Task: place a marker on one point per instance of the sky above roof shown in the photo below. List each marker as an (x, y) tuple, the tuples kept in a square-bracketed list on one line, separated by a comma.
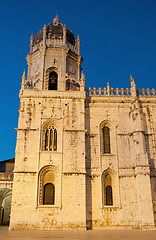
[(117, 38)]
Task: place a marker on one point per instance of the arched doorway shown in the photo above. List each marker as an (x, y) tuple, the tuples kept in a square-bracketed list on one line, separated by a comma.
[(5, 206)]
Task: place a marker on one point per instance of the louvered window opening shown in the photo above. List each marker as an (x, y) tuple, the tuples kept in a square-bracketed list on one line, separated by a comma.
[(106, 139), (51, 139)]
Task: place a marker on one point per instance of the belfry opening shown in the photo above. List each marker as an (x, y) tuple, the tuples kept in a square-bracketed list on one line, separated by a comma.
[(53, 79)]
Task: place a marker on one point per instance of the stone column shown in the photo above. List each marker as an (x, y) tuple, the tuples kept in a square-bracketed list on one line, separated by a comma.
[(142, 168), (42, 66)]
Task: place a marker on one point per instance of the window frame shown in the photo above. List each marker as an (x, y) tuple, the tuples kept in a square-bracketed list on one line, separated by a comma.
[(108, 178), (107, 124), (46, 172), (45, 194), (50, 139), (106, 140)]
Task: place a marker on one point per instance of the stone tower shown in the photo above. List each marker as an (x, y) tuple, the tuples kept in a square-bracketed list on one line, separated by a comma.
[(49, 175)]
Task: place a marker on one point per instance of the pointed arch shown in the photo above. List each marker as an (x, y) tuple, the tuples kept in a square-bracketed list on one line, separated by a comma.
[(47, 185), (108, 190), (107, 187), (49, 136)]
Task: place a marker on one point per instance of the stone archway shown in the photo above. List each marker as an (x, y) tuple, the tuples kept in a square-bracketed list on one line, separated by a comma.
[(5, 206)]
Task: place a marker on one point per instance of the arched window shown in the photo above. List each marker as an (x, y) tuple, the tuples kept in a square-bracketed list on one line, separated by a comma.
[(48, 185), (108, 192), (53, 77), (109, 197), (51, 139), (49, 194), (106, 140)]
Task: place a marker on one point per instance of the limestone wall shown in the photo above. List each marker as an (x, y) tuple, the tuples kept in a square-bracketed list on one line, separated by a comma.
[(127, 209), (66, 114)]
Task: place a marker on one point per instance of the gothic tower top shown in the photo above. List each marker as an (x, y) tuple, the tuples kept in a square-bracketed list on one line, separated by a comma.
[(54, 61), (55, 34)]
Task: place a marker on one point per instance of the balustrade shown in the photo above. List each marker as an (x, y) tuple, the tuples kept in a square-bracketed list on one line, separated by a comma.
[(119, 92)]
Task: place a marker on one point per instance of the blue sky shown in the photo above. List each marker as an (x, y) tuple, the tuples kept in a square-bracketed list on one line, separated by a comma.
[(118, 37)]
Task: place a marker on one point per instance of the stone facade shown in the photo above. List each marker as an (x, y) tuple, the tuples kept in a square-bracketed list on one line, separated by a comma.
[(85, 158), (6, 173)]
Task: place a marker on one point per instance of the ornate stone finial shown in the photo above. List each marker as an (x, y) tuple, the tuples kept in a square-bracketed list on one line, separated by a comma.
[(78, 37), (23, 77), (44, 34), (108, 88), (56, 20), (83, 76), (64, 33), (133, 86), (44, 28), (23, 80), (31, 42), (131, 79), (83, 80), (31, 38), (64, 27), (78, 44)]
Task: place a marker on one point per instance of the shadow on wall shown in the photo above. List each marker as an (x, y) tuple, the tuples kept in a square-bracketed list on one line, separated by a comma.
[(88, 170), (5, 206)]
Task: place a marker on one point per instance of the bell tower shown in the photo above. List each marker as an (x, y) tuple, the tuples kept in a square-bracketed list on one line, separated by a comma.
[(50, 172), (54, 61)]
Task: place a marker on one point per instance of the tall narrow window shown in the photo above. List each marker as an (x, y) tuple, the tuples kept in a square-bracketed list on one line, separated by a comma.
[(109, 197), (108, 190), (53, 77), (51, 139), (49, 194), (106, 140), (55, 140), (46, 139)]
